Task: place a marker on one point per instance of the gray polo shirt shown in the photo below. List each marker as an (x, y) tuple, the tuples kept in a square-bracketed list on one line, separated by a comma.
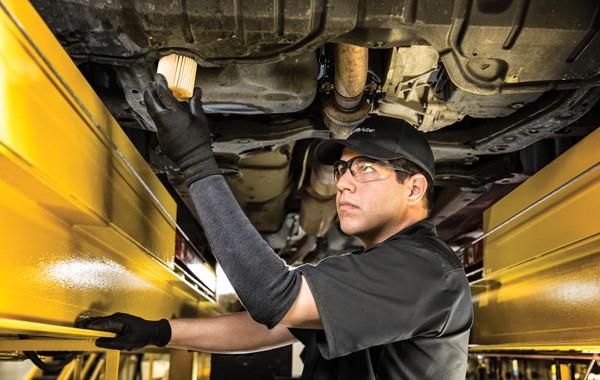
[(400, 309)]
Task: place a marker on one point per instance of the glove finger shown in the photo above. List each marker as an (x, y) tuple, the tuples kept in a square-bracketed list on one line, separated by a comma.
[(115, 344), (82, 322), (165, 94), (105, 343), (106, 324), (196, 102), (153, 104)]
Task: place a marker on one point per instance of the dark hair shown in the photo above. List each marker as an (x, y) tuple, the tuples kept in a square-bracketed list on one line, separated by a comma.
[(413, 169)]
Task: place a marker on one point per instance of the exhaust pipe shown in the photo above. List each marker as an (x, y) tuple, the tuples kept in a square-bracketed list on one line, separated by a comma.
[(348, 108), (317, 210)]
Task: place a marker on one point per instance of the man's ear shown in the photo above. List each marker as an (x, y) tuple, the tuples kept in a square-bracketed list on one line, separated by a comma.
[(418, 187)]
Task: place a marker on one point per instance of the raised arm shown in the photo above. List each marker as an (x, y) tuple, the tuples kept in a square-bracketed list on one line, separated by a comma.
[(267, 287)]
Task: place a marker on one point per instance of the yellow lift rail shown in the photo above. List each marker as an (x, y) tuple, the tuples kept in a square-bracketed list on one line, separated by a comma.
[(57, 338), (86, 228), (540, 288)]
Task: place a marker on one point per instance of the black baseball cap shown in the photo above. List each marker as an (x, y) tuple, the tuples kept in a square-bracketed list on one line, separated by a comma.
[(382, 138)]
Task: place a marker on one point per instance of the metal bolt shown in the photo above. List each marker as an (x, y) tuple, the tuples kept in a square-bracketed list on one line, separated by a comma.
[(327, 87), (565, 115), (469, 160)]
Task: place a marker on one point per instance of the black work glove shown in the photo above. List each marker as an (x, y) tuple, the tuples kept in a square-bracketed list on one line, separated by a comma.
[(183, 131), (132, 332)]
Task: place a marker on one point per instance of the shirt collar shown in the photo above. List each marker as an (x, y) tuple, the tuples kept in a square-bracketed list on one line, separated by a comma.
[(423, 227)]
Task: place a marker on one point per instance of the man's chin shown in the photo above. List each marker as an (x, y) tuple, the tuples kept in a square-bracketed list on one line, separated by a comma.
[(349, 229)]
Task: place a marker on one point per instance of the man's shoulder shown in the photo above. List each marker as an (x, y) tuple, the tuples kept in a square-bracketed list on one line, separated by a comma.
[(428, 245)]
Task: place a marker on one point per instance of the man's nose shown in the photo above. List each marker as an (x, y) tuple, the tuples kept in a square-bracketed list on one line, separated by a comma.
[(346, 181)]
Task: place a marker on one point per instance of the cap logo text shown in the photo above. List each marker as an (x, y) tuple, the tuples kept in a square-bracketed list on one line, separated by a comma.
[(362, 129)]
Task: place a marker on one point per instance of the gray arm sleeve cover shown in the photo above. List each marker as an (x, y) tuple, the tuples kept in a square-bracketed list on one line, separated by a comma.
[(264, 283)]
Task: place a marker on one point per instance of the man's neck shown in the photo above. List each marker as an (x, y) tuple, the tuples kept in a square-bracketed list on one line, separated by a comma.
[(384, 235)]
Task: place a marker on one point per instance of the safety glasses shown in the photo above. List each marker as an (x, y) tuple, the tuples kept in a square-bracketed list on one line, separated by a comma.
[(365, 169)]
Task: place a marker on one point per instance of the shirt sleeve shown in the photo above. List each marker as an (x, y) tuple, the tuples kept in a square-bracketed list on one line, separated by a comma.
[(381, 296), (264, 283)]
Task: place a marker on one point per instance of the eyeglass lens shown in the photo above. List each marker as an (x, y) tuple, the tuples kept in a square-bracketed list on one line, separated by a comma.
[(363, 169)]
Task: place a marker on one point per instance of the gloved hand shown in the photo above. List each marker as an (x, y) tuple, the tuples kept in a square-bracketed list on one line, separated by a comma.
[(183, 130), (132, 332)]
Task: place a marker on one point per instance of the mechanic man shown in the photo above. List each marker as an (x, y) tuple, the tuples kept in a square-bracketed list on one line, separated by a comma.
[(399, 309)]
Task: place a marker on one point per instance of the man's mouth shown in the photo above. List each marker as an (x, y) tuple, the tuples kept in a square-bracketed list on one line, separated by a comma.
[(346, 206)]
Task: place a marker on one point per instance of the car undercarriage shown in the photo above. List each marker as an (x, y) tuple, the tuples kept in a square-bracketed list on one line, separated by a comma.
[(500, 88)]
